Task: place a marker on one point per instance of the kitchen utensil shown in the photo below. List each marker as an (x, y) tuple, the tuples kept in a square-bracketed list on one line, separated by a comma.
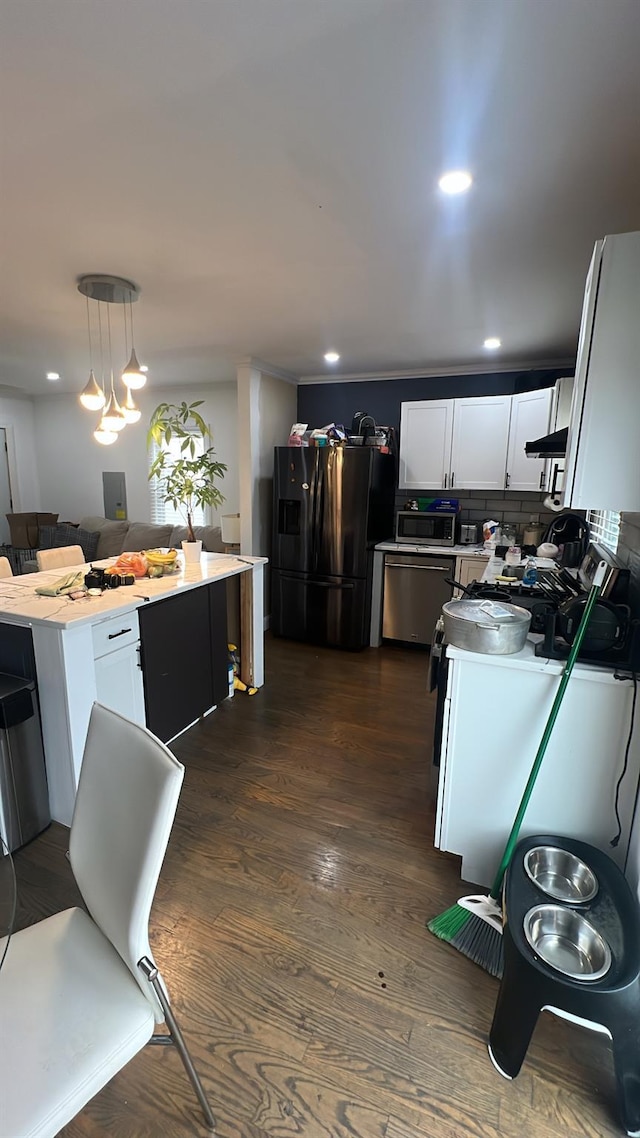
[(493, 627), (566, 941), (474, 924), (570, 533), (480, 591), (607, 627), (548, 549), (560, 874)]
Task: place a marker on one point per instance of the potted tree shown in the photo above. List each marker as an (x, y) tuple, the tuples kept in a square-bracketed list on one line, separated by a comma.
[(185, 466)]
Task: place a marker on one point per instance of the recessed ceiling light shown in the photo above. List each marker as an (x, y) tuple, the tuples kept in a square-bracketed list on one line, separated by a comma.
[(455, 182), (53, 375), (331, 357), (492, 343)]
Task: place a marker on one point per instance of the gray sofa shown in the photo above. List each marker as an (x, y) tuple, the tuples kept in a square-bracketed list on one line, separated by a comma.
[(130, 537)]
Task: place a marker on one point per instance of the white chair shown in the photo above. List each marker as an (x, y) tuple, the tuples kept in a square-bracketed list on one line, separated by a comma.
[(79, 994), (58, 558), (5, 567)]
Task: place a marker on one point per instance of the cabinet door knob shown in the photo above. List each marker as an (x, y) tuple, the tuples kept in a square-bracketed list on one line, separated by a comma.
[(452, 478), (445, 482), (507, 479), (542, 479)]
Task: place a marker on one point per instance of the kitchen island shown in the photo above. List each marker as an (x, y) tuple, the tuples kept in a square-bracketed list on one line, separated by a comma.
[(156, 651)]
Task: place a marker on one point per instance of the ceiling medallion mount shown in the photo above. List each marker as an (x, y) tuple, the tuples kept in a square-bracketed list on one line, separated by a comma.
[(108, 289), (105, 290)]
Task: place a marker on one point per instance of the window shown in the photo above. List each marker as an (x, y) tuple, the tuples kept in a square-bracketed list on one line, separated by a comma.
[(163, 512), (605, 527)]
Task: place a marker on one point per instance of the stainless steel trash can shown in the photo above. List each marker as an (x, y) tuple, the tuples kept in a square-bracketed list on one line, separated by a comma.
[(24, 795)]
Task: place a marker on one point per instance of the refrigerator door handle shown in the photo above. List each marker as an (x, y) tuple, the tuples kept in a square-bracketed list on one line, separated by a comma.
[(321, 584), (316, 513), (421, 568), (333, 584)]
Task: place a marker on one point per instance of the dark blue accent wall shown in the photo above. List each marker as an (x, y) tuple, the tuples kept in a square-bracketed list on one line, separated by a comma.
[(322, 403)]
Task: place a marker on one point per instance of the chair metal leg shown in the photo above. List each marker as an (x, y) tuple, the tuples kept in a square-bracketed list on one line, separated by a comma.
[(151, 973)]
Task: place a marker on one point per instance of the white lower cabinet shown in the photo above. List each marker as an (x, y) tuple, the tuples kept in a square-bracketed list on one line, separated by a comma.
[(494, 715), (119, 683), (118, 673), (469, 569)]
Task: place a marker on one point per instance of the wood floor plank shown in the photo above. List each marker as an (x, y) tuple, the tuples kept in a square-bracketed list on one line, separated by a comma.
[(301, 866)]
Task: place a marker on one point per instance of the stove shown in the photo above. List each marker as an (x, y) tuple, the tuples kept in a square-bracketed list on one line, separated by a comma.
[(549, 601)]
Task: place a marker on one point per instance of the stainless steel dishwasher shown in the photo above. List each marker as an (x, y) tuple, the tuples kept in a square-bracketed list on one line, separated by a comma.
[(415, 590)]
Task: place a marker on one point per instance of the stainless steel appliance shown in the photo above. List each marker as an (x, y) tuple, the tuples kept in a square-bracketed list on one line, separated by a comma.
[(331, 506), (424, 527), (493, 627), (415, 589), (24, 797), (469, 533)]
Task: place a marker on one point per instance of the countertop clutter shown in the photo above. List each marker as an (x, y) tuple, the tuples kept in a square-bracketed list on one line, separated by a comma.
[(20, 604)]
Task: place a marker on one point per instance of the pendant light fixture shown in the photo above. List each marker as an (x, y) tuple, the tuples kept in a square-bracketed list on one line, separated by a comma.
[(112, 416), (101, 434), (111, 290), (130, 411), (92, 396), (133, 375)]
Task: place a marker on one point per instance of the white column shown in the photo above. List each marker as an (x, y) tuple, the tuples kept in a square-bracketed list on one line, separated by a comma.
[(248, 380)]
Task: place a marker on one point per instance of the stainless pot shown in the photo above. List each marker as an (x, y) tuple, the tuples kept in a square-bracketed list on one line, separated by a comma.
[(491, 627)]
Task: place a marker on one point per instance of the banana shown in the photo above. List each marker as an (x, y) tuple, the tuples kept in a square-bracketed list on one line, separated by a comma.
[(157, 557)]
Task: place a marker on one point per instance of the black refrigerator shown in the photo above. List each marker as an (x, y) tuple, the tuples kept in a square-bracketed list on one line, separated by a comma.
[(331, 506)]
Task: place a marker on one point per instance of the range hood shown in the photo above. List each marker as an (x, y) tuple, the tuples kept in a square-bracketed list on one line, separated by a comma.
[(549, 446)]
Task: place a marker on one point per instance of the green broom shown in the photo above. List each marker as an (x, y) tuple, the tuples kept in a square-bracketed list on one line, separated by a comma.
[(474, 924)]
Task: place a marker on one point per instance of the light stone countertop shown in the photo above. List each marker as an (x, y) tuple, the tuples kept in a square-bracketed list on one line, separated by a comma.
[(20, 604), (438, 550)]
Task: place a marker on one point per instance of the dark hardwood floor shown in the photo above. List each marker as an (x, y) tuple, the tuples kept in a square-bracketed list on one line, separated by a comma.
[(289, 924)]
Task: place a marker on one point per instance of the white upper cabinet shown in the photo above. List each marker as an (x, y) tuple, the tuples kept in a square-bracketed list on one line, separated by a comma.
[(602, 463), (529, 420), (479, 448), (425, 444)]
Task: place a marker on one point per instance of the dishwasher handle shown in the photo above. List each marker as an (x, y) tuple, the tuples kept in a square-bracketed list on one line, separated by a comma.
[(429, 568)]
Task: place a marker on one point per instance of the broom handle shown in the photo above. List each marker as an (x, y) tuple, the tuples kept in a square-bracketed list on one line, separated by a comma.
[(553, 715)]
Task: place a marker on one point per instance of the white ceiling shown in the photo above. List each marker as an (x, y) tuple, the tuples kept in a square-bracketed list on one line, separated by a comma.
[(266, 171)]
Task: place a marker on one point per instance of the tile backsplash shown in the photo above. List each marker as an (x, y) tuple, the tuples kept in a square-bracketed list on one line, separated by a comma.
[(514, 507)]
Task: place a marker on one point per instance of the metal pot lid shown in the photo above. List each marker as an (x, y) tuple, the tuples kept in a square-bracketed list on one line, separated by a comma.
[(486, 612)]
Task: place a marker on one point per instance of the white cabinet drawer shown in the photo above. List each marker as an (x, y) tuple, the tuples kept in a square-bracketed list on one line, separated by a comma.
[(116, 632)]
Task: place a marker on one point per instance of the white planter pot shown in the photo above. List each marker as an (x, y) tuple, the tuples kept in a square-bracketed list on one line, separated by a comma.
[(192, 551)]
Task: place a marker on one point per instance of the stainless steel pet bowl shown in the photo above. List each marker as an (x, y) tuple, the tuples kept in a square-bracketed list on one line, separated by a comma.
[(560, 874), (567, 942)]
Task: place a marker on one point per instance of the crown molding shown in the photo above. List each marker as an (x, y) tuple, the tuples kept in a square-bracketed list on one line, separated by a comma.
[(268, 369), (437, 372)]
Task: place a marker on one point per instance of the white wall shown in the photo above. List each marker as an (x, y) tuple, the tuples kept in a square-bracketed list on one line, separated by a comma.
[(17, 417), (277, 406), (71, 462), (267, 408)]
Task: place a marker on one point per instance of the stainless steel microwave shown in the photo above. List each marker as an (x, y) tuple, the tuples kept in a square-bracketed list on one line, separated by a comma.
[(418, 527)]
